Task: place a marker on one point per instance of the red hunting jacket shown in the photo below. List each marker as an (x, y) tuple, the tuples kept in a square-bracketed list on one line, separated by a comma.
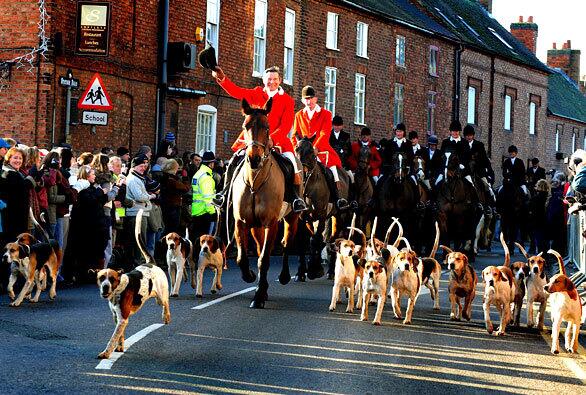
[(375, 159), (280, 117), (320, 126)]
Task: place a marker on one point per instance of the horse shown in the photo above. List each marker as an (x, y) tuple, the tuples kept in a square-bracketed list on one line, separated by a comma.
[(457, 204), (425, 212), (316, 194), (257, 193), (512, 205), (485, 228), (362, 188), (398, 197)]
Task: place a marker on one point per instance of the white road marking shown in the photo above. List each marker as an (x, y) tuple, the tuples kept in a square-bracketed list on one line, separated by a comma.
[(213, 302), (576, 369), (106, 364)]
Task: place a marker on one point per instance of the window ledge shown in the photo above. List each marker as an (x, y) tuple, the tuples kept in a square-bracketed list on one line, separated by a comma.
[(359, 124), (434, 75), (333, 49), (363, 57)]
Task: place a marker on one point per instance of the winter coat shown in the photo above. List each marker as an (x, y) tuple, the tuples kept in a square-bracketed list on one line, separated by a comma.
[(15, 189), (172, 190)]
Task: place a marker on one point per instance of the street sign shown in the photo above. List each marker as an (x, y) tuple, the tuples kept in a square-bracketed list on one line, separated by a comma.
[(95, 96), (94, 118), (72, 83)]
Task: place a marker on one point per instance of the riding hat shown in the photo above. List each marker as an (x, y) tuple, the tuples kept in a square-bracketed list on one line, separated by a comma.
[(208, 157), (365, 131), (513, 148), (307, 92), (469, 130), (207, 58), (337, 121), (432, 140), (456, 126), (534, 161), (401, 126), (413, 135)]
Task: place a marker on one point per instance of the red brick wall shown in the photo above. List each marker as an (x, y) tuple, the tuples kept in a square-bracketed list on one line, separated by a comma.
[(526, 33), (567, 59), (567, 129)]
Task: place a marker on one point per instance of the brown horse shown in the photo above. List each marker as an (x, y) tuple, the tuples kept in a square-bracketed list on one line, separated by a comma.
[(257, 194)]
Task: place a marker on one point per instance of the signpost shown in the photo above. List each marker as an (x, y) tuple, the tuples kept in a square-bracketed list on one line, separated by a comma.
[(93, 28), (95, 97), (70, 83)]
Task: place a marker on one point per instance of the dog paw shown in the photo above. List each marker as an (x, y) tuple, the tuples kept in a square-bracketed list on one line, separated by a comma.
[(530, 324), (199, 296), (363, 318), (350, 311), (14, 304), (405, 322), (333, 308), (120, 349), (436, 308), (453, 317), (554, 351), (12, 296), (489, 328), (104, 355), (377, 323), (213, 291), (174, 295), (569, 350), (219, 287), (167, 320)]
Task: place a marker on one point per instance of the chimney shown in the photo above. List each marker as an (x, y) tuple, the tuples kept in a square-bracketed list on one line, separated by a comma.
[(526, 32), (486, 4), (566, 59)]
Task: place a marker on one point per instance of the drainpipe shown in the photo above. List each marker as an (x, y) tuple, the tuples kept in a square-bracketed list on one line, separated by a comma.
[(457, 82), (491, 107), (162, 88)]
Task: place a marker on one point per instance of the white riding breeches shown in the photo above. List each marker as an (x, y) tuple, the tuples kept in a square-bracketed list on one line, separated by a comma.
[(293, 160)]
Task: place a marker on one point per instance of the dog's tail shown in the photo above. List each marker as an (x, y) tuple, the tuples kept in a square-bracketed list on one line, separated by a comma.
[(446, 249), (390, 229), (352, 225), (522, 249), (407, 244), (38, 226), (435, 242), (364, 242), (560, 260), (150, 260), (506, 249)]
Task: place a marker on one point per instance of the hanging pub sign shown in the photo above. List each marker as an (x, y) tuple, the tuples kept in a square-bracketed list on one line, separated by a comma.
[(93, 28)]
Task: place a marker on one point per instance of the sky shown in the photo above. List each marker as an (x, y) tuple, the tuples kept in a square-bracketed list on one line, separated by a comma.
[(558, 21)]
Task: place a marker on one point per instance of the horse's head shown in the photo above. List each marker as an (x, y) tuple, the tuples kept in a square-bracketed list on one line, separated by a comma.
[(364, 158), (256, 127), (305, 152), (400, 165), (418, 166)]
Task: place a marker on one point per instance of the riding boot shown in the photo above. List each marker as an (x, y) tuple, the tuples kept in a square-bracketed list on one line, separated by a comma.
[(235, 162), (292, 186), (340, 203)]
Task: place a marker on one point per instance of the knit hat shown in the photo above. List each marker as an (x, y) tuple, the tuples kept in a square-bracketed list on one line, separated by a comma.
[(432, 140), (208, 156), (121, 151), (456, 126), (337, 121), (170, 137), (152, 185), (307, 92), (139, 160), (413, 135), (469, 130), (4, 144)]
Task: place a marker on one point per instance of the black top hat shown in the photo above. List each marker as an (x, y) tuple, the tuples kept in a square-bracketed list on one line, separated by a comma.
[(469, 130), (208, 157), (307, 92), (207, 58), (456, 125), (413, 135)]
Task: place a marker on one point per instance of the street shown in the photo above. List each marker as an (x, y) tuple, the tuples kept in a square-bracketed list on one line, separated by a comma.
[(294, 345)]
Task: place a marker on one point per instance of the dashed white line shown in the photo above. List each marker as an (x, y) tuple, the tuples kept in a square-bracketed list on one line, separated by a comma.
[(215, 301), (106, 364)]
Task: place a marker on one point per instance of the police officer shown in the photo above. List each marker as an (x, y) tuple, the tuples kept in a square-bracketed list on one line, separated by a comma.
[(203, 212), (340, 140)]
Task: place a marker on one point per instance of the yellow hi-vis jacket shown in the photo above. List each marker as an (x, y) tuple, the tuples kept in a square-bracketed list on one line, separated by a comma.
[(204, 189)]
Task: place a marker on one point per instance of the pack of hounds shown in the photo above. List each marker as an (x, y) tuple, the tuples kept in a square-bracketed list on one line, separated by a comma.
[(368, 271)]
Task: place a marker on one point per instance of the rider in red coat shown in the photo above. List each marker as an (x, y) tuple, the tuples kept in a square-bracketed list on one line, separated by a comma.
[(375, 158), (280, 124), (316, 122)]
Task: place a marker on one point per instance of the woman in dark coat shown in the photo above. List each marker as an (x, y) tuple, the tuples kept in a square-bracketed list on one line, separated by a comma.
[(15, 189), (538, 218), (88, 229), (172, 190)]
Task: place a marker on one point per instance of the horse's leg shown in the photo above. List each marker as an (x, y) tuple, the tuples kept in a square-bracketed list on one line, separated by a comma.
[(241, 236), (315, 268), (288, 238), (302, 241), (261, 294)]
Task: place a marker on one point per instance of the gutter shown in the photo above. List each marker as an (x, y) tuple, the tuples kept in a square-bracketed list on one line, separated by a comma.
[(491, 107), (162, 88)]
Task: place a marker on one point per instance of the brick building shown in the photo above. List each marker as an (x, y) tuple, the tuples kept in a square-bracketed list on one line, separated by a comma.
[(421, 62)]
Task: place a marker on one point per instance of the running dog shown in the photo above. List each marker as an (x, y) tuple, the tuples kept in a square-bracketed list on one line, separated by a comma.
[(127, 293), (35, 262), (463, 280), (212, 255), (347, 273), (374, 283), (535, 281), (179, 255), (565, 306), (499, 290)]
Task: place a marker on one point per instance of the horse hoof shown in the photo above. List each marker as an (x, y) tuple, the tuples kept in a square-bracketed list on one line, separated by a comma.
[(257, 304), (300, 278), (284, 279), (249, 277), (312, 275)]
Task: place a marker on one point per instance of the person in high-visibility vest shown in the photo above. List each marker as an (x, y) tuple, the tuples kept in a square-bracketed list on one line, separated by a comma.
[(203, 212)]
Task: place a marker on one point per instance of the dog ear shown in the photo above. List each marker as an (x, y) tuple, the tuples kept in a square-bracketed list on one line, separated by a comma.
[(542, 275), (569, 285), (215, 245), (385, 253), (162, 239), (120, 271), (23, 251), (337, 244), (362, 262), (465, 259)]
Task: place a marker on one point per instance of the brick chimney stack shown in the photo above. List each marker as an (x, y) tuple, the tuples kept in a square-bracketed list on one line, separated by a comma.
[(566, 58), (526, 32), (487, 4)]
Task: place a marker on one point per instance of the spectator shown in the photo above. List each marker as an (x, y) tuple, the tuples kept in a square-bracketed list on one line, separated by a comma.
[(340, 140), (146, 151), (4, 147), (534, 174), (538, 217), (107, 151), (85, 159), (51, 163), (172, 190), (203, 213), (103, 174), (66, 162), (124, 154), (556, 224), (156, 169)]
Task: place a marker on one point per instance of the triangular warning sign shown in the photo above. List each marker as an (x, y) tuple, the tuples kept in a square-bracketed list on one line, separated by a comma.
[(95, 96)]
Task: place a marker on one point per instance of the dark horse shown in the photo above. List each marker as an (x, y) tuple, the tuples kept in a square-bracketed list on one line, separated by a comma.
[(512, 205), (316, 194), (362, 187), (479, 164), (458, 207), (398, 197), (257, 194)]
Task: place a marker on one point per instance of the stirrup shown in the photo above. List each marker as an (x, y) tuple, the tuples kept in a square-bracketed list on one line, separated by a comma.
[(354, 205), (298, 205), (342, 204), (218, 200)]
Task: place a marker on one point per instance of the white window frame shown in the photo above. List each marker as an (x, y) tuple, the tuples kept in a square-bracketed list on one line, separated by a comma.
[(359, 98), (584, 140), (362, 39), (260, 37), (213, 24), (558, 137), (399, 104), (574, 137), (532, 116), (433, 61), (508, 112), (206, 141), (330, 92), (289, 51), (471, 114), (332, 31), (400, 51), (431, 105)]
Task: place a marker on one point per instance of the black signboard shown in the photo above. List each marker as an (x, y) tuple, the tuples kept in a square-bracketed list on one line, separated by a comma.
[(93, 28)]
